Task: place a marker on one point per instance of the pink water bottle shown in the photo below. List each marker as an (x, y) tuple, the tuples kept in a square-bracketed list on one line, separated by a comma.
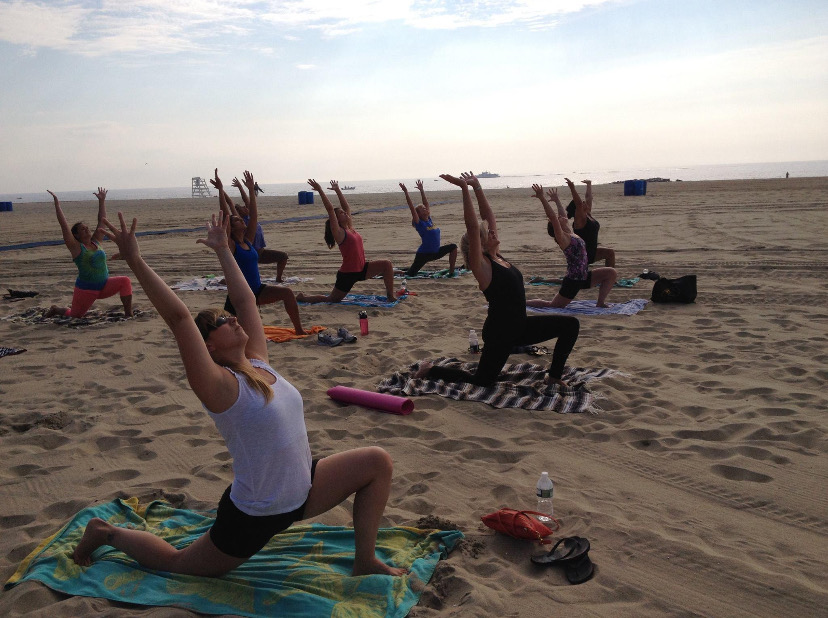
[(363, 322)]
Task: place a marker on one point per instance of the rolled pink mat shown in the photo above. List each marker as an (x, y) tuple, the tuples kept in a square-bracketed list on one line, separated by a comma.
[(379, 401)]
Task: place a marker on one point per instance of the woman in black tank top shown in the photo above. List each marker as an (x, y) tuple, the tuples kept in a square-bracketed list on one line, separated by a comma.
[(507, 324), (585, 226)]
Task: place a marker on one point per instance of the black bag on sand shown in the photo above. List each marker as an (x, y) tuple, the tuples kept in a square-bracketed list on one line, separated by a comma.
[(681, 290)]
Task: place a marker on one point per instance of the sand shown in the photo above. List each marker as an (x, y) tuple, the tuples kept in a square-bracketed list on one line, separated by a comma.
[(700, 482)]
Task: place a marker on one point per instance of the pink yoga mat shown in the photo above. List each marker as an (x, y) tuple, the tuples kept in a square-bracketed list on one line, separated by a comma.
[(379, 401)]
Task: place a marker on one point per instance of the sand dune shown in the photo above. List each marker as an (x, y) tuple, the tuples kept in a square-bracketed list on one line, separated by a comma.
[(700, 482)]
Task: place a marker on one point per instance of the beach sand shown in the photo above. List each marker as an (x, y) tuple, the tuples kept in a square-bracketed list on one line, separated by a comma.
[(700, 481)]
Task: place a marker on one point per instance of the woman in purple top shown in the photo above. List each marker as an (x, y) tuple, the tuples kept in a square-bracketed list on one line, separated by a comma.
[(578, 276)]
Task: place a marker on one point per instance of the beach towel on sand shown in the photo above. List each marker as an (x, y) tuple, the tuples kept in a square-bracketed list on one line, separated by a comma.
[(303, 571), (364, 300), (519, 386), (280, 334), (212, 282), (35, 315), (431, 274), (11, 351), (620, 283), (588, 307)]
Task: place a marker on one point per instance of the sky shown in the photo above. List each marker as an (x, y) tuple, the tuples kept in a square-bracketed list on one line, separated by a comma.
[(149, 93)]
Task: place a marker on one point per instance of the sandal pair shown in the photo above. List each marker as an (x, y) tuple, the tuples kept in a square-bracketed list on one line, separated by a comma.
[(572, 553)]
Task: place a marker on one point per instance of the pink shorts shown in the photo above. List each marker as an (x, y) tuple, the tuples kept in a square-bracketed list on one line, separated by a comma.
[(82, 299)]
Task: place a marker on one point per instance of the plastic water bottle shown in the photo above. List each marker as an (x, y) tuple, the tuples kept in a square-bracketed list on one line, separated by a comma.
[(363, 322), (474, 344), (544, 492), (403, 290)]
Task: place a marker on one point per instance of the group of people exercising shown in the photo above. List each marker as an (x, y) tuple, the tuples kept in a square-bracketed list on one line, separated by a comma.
[(276, 481)]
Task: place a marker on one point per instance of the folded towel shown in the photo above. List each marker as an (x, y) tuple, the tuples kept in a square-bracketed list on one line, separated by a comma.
[(365, 300), (303, 571), (620, 283), (280, 334), (588, 307)]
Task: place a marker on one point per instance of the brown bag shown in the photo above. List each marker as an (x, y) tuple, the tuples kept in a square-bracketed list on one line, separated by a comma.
[(519, 524)]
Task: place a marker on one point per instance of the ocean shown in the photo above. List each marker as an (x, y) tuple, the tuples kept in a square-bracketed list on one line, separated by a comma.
[(736, 171)]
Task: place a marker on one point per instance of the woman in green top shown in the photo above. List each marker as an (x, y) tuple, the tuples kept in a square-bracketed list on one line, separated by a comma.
[(93, 280)]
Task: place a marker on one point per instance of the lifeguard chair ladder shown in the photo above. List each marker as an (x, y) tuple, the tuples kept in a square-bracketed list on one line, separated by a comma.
[(200, 187)]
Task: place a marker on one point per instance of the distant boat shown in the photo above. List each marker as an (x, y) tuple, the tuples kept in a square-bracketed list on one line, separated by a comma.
[(347, 188), (487, 175)]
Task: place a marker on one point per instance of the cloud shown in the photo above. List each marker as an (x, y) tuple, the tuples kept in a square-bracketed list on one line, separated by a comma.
[(95, 27)]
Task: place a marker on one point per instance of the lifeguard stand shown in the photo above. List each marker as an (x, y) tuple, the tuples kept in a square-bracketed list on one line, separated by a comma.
[(200, 187)]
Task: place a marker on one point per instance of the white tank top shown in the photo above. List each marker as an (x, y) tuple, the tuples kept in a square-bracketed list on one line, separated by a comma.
[(269, 445)]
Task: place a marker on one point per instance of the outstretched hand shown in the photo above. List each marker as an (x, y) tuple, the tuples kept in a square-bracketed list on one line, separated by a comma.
[(402, 186), (314, 185), (54, 197), (471, 179), (587, 182), (419, 184), (236, 183), (101, 194), (249, 182), (553, 195), (123, 238), (568, 182), (216, 182), (335, 185), (460, 182), (216, 232), (538, 189)]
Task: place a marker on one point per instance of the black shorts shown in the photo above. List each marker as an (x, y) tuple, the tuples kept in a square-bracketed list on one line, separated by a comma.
[(345, 281), (240, 535), (421, 259), (569, 287), (228, 306)]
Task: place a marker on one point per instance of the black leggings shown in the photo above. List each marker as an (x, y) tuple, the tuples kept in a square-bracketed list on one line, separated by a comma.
[(538, 328), (421, 259)]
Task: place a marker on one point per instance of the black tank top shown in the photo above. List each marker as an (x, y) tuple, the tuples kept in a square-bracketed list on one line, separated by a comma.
[(507, 300), (589, 233)]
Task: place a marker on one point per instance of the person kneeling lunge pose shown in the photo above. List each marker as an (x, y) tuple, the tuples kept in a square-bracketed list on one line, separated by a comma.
[(260, 415), (507, 324), (430, 248)]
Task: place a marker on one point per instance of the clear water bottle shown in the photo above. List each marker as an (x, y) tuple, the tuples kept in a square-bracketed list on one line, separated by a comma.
[(474, 344), (544, 492), (363, 322), (403, 290)]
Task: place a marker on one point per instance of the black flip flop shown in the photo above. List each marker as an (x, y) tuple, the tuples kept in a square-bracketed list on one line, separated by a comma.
[(567, 550), (579, 571)]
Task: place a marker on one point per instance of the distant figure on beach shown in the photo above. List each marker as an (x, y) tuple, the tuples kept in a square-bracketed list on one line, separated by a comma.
[(578, 276), (787, 174), (584, 225), (261, 417), (93, 280), (339, 230), (266, 256), (430, 248), (240, 238), (507, 324), (258, 189)]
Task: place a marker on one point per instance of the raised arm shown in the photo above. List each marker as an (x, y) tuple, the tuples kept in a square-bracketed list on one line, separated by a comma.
[(338, 232), (250, 232), (415, 218), (419, 184), (580, 209), (98, 234), (240, 187), (213, 385), (553, 196), (588, 197), (486, 212), (226, 206), (341, 196), (480, 267), (71, 242), (562, 237)]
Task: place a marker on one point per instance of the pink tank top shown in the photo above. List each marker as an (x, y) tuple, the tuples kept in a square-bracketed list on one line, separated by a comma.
[(353, 253)]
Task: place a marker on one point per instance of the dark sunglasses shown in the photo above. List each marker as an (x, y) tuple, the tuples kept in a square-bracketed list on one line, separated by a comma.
[(209, 328)]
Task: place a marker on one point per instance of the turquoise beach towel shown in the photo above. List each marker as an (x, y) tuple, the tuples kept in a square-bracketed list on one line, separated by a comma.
[(432, 274), (620, 283), (364, 300), (303, 571), (587, 307)]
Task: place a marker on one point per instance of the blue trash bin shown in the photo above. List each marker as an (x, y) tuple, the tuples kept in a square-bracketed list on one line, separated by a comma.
[(6, 207), (309, 197), (302, 199), (629, 187)]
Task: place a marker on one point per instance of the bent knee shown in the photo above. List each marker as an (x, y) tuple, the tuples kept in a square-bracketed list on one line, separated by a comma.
[(380, 459)]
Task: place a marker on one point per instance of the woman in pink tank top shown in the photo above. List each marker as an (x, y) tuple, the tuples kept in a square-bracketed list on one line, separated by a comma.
[(339, 230)]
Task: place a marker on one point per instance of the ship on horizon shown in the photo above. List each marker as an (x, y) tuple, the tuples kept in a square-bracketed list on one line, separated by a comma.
[(487, 175)]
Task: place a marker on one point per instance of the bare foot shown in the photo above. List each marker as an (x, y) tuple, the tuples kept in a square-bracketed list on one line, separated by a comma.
[(97, 533), (301, 331), (375, 567), (53, 311), (556, 381), (423, 370), (604, 305)]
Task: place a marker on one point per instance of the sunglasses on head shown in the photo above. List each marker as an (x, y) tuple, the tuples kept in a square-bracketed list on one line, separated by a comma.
[(209, 328)]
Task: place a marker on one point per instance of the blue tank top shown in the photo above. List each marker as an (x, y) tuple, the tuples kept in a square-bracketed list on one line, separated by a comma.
[(248, 261)]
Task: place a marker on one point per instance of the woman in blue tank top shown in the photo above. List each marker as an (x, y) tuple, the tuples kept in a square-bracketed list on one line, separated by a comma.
[(240, 239), (261, 418), (507, 324)]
